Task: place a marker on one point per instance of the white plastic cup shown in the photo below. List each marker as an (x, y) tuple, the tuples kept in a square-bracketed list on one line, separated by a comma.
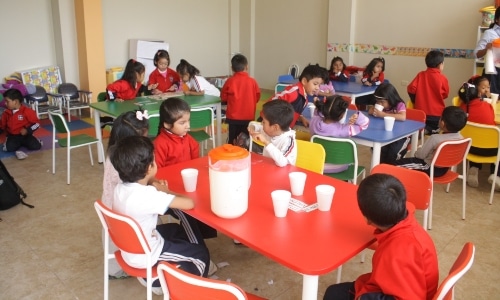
[(189, 178), (494, 97), (379, 107), (281, 200), (324, 196), (312, 107), (487, 100), (297, 182), (389, 123)]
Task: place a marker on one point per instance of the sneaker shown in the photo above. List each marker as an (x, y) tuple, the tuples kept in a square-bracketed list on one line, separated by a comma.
[(497, 181), (21, 155), (118, 275), (212, 268), (41, 142), (156, 290), (236, 242), (472, 177)]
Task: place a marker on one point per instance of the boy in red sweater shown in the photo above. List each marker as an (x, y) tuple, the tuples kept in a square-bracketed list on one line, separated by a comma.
[(404, 265), (241, 93), (429, 89), (19, 121)]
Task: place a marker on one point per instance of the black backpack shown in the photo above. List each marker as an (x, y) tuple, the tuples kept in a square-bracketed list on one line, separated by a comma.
[(11, 194)]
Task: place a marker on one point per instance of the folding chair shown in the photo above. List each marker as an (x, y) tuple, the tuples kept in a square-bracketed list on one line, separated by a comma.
[(462, 264), (310, 156), (74, 99), (59, 126), (41, 102), (484, 136), (202, 118), (178, 285)]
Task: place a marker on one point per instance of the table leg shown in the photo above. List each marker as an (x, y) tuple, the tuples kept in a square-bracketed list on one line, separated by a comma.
[(310, 287), (414, 143), (98, 135), (219, 124), (376, 154)]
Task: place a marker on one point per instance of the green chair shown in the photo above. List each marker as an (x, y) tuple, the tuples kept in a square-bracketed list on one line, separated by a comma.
[(202, 126), (154, 122), (341, 151), (59, 126)]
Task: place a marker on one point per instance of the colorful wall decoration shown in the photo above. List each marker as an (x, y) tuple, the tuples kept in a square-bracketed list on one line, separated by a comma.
[(47, 77)]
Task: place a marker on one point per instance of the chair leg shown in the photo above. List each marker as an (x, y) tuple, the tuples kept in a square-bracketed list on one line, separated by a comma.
[(53, 155), (90, 154), (426, 218), (492, 193), (69, 162), (430, 209), (363, 256), (339, 274)]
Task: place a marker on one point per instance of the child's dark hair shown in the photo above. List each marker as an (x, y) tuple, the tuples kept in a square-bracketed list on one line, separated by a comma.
[(313, 71), (186, 68), (132, 157), (434, 58), (476, 80), (388, 92), (278, 112), (132, 68), (334, 60), (159, 55), (13, 94), (468, 92), (382, 199), (172, 110), (454, 118), (239, 62), (332, 107), (369, 68), (127, 124)]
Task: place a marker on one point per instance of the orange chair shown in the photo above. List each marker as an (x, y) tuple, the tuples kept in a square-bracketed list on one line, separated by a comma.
[(462, 264), (127, 236), (178, 285), (449, 154), (416, 115)]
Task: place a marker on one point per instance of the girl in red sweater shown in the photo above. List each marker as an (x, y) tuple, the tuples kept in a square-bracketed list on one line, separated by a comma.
[(163, 79), (130, 85)]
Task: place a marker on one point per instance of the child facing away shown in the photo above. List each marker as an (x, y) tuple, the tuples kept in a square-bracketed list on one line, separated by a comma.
[(196, 84), (337, 70), (275, 133), (241, 93), (163, 79), (296, 94), (429, 89), (405, 264), (19, 122), (388, 97), (326, 121), (130, 85), (451, 122), (143, 198), (374, 72), (478, 111)]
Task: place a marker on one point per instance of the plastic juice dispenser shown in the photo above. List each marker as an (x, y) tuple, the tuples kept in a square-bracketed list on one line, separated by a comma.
[(229, 175)]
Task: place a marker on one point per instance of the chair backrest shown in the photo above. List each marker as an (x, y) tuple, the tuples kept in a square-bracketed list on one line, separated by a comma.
[(280, 87), (201, 117), (415, 114), (462, 264), (68, 89), (483, 136), (58, 122), (456, 101), (409, 104), (294, 70), (154, 123), (417, 184), (39, 95), (178, 285), (123, 230), (310, 156), (451, 153), (101, 97), (339, 151), (286, 78)]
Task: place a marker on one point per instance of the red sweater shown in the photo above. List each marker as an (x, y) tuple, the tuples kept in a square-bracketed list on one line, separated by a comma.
[(164, 83), (404, 264), (172, 149), (25, 117), (375, 81), (296, 95), (430, 88), (241, 93), (480, 112), (121, 89)]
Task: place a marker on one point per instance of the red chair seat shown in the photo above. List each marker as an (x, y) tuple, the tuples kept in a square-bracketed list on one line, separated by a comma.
[(131, 270)]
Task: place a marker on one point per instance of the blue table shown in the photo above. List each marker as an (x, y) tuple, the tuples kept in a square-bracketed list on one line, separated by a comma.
[(375, 135), (353, 89)]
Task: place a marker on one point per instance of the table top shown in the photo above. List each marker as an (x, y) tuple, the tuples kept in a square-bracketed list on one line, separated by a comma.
[(115, 109), (312, 243), (353, 87)]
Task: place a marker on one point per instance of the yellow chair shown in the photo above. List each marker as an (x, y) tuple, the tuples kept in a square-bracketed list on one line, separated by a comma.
[(310, 156), (483, 136), (409, 104), (302, 135), (455, 101)]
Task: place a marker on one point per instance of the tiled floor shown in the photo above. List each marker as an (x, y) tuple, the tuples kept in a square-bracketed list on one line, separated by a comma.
[(54, 251)]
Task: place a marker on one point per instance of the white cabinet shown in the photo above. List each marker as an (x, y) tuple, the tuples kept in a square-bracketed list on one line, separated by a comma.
[(479, 62)]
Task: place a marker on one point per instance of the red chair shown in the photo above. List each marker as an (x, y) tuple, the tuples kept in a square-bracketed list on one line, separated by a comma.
[(179, 285), (449, 154), (462, 264), (127, 236), (416, 115)]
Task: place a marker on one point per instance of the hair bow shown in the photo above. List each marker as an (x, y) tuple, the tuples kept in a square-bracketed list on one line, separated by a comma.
[(142, 115)]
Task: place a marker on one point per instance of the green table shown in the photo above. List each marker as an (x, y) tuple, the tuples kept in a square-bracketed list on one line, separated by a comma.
[(115, 109)]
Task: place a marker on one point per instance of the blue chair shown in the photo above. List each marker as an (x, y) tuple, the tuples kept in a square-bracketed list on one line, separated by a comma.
[(286, 78)]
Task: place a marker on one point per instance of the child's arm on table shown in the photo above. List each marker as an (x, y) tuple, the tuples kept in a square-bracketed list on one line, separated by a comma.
[(179, 201)]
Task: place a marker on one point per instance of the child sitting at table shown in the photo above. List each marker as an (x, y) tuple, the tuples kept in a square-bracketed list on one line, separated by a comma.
[(275, 133), (392, 105), (337, 70), (130, 85), (429, 89), (374, 72), (326, 121), (404, 247), (142, 197), (163, 79), (451, 122), (196, 84), (478, 111)]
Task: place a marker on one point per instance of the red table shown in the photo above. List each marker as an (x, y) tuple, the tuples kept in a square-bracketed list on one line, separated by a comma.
[(312, 244)]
